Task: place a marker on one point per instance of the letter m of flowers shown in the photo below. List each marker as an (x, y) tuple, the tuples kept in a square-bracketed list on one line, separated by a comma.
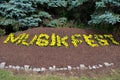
[(12, 39)]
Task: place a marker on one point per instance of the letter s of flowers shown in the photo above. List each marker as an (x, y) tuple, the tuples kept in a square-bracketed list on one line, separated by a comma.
[(101, 40)]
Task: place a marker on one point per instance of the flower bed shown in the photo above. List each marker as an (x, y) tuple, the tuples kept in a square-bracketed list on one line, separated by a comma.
[(43, 40)]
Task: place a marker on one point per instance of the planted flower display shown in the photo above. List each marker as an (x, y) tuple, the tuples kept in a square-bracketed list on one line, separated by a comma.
[(43, 40), (61, 36)]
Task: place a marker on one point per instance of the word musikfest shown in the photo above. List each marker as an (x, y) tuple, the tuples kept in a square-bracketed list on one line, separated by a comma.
[(43, 40)]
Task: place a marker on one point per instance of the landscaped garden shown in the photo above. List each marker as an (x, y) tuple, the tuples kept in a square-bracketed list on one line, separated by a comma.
[(76, 38)]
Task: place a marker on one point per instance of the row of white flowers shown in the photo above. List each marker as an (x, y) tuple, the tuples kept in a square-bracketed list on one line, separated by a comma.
[(54, 68)]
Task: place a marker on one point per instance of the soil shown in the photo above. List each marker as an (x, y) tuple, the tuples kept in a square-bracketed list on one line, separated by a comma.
[(59, 56)]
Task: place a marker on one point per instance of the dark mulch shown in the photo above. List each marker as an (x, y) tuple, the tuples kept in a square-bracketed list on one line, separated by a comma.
[(59, 56)]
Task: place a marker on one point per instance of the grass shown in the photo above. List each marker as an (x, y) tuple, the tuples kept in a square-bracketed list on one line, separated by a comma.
[(6, 75)]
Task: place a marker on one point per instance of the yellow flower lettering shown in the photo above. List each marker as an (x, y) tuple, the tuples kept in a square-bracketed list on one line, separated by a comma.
[(61, 41), (12, 39), (75, 41), (89, 41), (33, 40), (42, 40), (53, 40), (101, 40), (110, 37), (25, 39), (20, 39)]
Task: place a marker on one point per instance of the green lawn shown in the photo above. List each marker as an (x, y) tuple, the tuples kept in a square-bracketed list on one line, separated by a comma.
[(6, 75)]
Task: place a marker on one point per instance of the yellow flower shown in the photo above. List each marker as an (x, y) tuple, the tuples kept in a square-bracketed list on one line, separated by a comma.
[(33, 40), (58, 41), (64, 42), (75, 41), (53, 40), (24, 40), (89, 41), (110, 37), (20, 38), (61, 41), (42, 40), (101, 40), (12, 39)]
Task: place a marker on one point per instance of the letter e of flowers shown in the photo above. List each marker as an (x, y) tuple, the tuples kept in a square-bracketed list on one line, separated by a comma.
[(89, 41)]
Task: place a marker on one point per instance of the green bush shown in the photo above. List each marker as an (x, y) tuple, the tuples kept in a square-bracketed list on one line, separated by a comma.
[(8, 25), (57, 22), (106, 12), (22, 14), (2, 32)]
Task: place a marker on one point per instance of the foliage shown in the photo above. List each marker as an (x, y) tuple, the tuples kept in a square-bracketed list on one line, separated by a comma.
[(106, 12), (75, 3), (16, 9), (53, 3), (107, 17), (2, 1), (29, 13), (29, 22), (2, 32), (57, 22), (34, 13), (8, 25), (43, 14), (116, 33), (70, 4)]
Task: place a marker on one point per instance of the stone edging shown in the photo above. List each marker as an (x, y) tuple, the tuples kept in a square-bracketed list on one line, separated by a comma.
[(54, 68)]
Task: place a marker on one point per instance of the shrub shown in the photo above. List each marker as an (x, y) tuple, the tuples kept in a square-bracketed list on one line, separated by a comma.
[(9, 25), (57, 22), (29, 22), (106, 12), (54, 13), (2, 32)]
